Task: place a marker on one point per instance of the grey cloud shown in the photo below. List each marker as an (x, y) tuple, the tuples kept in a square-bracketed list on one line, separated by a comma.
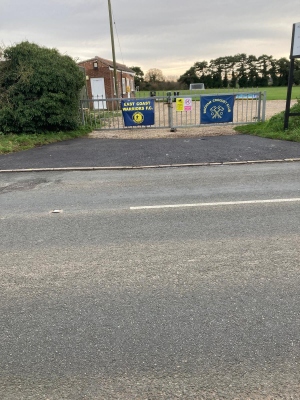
[(167, 34)]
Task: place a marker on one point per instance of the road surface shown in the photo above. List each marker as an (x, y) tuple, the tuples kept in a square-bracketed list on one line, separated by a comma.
[(151, 284)]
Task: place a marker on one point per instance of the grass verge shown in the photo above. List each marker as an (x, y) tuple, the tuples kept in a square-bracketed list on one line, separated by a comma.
[(12, 143), (273, 128)]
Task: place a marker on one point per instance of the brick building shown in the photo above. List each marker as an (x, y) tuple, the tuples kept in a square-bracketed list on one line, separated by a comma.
[(100, 79)]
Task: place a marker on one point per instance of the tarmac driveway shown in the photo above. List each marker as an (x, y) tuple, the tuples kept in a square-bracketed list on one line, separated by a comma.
[(94, 153)]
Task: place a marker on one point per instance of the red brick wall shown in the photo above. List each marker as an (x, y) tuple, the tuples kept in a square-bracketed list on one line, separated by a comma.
[(103, 71)]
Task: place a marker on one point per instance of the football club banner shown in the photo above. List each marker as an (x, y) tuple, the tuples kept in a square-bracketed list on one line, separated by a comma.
[(138, 112), (216, 109)]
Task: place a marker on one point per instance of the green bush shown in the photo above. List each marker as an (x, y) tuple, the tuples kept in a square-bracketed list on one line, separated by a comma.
[(274, 127), (39, 90), (275, 123)]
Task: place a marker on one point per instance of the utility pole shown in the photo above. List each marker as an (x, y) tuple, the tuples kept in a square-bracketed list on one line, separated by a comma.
[(113, 48)]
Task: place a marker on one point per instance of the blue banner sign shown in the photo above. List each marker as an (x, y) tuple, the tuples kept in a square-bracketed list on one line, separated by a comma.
[(216, 109), (247, 96), (138, 112)]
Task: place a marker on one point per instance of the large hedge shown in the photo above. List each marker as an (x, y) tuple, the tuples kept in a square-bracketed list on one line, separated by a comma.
[(39, 90)]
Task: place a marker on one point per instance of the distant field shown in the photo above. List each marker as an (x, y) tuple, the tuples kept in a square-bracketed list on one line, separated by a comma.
[(273, 93)]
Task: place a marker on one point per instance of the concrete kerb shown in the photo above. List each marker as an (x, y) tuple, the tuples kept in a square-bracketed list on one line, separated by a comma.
[(204, 164)]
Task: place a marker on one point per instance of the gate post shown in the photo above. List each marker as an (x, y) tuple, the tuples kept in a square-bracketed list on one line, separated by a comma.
[(170, 110), (259, 107), (261, 114), (82, 112), (264, 107)]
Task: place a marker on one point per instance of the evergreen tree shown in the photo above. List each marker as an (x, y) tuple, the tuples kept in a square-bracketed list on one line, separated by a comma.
[(139, 76), (39, 90)]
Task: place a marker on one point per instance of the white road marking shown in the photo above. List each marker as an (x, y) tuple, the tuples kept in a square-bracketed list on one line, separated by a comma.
[(221, 203)]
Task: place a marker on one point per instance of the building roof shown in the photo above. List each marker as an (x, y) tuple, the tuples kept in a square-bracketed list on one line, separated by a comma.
[(109, 63)]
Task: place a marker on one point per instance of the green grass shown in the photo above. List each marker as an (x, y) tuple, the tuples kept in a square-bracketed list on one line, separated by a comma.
[(99, 118), (273, 93), (273, 128), (103, 113), (12, 143)]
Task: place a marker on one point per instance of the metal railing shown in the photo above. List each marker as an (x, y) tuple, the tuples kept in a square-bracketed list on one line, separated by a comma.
[(106, 114)]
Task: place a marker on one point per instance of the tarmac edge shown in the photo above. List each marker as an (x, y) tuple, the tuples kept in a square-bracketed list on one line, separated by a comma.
[(204, 164)]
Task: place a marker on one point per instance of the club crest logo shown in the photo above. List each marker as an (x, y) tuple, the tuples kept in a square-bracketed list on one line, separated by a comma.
[(217, 112), (138, 117)]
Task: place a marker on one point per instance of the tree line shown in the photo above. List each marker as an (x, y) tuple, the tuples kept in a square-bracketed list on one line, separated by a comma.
[(240, 70)]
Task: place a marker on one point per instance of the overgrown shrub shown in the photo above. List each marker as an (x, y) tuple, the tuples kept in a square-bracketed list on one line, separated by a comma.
[(39, 90)]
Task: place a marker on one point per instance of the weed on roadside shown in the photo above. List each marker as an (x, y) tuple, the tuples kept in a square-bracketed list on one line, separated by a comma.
[(12, 143)]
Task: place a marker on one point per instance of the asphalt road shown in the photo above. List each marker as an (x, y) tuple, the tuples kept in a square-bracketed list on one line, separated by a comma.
[(108, 299), (87, 152)]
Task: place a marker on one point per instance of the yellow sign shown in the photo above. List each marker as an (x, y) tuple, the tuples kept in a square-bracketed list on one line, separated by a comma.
[(179, 104)]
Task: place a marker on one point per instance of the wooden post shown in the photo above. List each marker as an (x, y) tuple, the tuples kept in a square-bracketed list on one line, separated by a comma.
[(113, 48)]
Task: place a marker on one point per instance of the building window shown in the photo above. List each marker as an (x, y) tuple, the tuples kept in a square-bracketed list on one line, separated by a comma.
[(132, 85)]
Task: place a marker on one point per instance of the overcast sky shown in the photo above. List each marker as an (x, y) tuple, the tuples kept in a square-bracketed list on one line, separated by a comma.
[(167, 34)]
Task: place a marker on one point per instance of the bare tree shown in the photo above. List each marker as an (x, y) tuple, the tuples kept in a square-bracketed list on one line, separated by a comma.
[(154, 75)]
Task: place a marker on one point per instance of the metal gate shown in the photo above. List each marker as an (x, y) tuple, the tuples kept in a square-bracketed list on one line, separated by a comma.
[(106, 114)]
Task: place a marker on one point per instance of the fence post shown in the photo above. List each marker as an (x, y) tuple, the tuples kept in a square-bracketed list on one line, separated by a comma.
[(82, 113), (170, 109), (259, 107), (264, 107)]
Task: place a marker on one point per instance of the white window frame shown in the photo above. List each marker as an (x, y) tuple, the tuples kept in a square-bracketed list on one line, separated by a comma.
[(132, 85)]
